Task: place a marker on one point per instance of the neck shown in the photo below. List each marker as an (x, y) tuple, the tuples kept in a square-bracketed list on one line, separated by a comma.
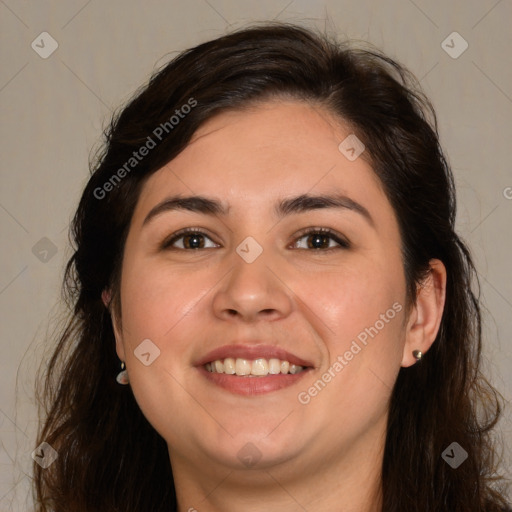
[(348, 481)]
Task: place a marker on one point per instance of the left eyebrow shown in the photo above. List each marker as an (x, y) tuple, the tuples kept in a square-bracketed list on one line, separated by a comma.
[(285, 207)]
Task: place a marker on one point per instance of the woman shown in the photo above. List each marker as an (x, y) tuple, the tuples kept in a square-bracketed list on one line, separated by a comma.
[(266, 258)]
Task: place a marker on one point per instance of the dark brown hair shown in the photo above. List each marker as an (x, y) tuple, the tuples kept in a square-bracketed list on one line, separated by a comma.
[(110, 457)]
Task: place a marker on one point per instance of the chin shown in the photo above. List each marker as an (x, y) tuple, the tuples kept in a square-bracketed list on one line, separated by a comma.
[(255, 447)]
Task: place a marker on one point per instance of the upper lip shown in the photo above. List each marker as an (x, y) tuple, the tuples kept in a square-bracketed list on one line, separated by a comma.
[(252, 352)]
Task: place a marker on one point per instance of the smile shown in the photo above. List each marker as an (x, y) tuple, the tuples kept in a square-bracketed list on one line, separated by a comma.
[(252, 368), (260, 367)]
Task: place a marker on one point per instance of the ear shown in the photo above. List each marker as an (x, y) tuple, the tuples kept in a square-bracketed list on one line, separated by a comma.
[(425, 317), (106, 297)]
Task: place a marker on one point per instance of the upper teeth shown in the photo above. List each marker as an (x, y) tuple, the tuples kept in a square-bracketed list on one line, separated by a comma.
[(259, 367)]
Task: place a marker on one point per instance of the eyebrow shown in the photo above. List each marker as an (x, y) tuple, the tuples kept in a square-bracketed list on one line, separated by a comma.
[(287, 206)]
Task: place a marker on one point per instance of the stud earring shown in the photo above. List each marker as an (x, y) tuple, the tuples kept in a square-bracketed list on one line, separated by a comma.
[(122, 376), (417, 354)]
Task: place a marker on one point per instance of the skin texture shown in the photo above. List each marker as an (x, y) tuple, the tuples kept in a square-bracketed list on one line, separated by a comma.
[(323, 455)]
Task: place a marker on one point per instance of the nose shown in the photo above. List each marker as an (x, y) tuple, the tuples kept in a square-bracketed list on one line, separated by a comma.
[(253, 291)]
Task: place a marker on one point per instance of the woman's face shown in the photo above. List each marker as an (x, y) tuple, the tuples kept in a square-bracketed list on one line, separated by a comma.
[(251, 286)]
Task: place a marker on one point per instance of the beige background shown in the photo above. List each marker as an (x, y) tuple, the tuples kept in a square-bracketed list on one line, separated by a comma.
[(53, 111)]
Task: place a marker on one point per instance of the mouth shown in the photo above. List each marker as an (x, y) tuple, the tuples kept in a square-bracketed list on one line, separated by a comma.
[(252, 370)]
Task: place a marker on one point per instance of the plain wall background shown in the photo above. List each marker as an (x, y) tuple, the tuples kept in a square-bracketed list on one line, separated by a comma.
[(53, 111)]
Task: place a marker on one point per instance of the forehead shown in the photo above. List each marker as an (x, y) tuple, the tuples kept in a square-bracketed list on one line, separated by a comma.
[(251, 157)]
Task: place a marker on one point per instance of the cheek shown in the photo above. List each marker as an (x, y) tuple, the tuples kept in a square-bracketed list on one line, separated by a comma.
[(158, 304), (359, 314), (364, 342), (161, 305), (156, 298), (351, 299)]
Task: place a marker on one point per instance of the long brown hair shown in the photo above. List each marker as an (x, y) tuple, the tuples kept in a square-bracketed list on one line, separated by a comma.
[(110, 457)]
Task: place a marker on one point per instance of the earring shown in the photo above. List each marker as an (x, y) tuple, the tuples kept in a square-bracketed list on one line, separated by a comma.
[(122, 376), (417, 354)]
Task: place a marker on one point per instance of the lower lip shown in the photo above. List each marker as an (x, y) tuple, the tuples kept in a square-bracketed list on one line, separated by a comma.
[(249, 386)]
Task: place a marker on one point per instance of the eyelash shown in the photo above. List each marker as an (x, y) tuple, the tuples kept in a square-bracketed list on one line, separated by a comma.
[(343, 243)]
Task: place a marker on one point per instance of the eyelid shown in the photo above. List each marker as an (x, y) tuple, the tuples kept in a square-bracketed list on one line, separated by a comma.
[(166, 244), (337, 237)]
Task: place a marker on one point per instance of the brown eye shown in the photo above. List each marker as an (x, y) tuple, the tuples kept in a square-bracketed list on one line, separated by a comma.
[(320, 238), (191, 239)]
